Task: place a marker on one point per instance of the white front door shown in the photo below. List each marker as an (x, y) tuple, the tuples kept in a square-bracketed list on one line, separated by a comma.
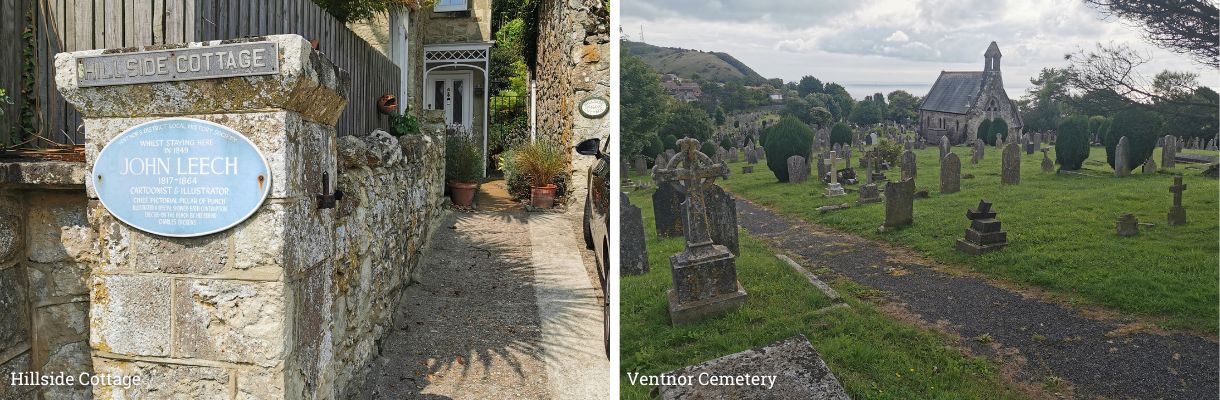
[(451, 92)]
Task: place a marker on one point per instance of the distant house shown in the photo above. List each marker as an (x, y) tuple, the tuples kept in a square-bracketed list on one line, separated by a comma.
[(777, 98), (683, 91), (960, 100)]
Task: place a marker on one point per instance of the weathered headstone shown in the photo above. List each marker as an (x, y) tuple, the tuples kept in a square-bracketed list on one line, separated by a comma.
[(950, 174), (1037, 140), (660, 161), (907, 163), (1169, 150), (1010, 168), (999, 142), (704, 274), (762, 154), (984, 233), (834, 188), (1122, 165), (823, 169), (747, 169), (943, 148), (1128, 225), (796, 169), (1047, 164), (869, 194), (899, 204), (633, 251), (641, 165), (977, 155), (797, 368), (733, 155), (1149, 166), (1177, 214)]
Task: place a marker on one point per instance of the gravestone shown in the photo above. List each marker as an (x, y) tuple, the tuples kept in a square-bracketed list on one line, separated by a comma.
[(1037, 140), (796, 169), (669, 222), (722, 218), (872, 138), (633, 251), (660, 161), (834, 188), (704, 274), (899, 204), (999, 143), (977, 155), (1128, 225), (751, 155), (1010, 170), (1122, 165), (641, 165), (823, 169), (943, 148), (1149, 166), (747, 169), (1047, 164), (1177, 214), (984, 233), (907, 163), (797, 368), (669, 154), (733, 155), (950, 174), (1168, 151), (869, 194), (762, 153)]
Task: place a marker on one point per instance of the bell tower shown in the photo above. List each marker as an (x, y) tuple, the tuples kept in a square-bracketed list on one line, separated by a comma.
[(992, 58)]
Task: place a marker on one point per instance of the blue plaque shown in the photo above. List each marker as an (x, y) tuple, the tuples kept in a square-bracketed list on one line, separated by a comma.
[(181, 177)]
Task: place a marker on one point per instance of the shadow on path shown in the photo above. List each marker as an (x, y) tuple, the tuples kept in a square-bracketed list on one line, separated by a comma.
[(1043, 339)]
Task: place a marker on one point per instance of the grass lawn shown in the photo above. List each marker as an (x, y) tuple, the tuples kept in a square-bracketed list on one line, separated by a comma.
[(873, 356), (1061, 231)]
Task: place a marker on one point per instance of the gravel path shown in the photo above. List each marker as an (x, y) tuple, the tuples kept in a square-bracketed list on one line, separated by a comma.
[(1042, 341)]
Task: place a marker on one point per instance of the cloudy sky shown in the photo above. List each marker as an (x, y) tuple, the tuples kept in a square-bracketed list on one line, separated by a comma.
[(887, 44)]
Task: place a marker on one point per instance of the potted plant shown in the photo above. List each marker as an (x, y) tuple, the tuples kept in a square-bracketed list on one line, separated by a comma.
[(541, 162), (462, 164)]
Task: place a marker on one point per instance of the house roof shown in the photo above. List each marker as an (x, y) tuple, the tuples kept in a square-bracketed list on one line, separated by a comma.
[(953, 92)]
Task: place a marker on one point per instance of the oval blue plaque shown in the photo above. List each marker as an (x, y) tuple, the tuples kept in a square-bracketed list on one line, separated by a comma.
[(181, 177)]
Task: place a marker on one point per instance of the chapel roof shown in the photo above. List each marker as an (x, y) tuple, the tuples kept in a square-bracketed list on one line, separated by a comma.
[(954, 92)]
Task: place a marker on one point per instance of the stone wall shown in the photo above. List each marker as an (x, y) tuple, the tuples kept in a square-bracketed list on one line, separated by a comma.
[(45, 248), (573, 64), (291, 302), (458, 27)]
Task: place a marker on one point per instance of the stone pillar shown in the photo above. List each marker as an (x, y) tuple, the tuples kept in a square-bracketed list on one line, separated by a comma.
[(236, 313)]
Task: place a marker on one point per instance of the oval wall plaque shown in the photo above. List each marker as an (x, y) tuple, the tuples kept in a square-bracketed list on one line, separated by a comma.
[(181, 177)]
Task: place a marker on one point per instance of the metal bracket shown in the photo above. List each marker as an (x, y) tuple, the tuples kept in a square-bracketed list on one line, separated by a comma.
[(327, 198)]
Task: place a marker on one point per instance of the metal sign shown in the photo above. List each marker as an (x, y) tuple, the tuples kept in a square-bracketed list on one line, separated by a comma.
[(181, 177), (240, 59)]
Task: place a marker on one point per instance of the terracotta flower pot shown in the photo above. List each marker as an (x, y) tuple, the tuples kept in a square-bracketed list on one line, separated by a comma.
[(542, 196), (462, 193)]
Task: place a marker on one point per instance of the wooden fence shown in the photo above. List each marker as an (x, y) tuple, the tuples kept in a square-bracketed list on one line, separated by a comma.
[(70, 25)]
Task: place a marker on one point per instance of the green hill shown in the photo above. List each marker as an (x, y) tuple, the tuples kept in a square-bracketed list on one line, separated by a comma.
[(687, 63)]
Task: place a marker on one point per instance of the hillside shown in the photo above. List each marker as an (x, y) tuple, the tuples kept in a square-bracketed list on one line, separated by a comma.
[(686, 63)]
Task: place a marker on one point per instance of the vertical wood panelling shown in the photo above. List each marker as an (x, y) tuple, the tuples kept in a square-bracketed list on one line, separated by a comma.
[(173, 21)]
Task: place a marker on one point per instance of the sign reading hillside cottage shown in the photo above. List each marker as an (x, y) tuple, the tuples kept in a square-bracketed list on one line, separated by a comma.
[(242, 59), (181, 177)]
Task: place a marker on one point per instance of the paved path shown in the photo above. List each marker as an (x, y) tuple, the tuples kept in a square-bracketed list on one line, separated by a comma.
[(1049, 339), (502, 310)]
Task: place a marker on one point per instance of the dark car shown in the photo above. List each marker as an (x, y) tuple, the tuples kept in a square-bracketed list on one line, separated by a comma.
[(597, 220)]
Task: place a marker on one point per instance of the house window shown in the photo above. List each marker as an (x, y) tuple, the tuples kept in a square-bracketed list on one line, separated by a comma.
[(451, 5)]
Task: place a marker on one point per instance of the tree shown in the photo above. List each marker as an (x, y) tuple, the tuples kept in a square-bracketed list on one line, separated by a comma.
[(708, 148), (843, 100), (719, 116), (790, 137), (1115, 69), (820, 116), (866, 112), (669, 142), (642, 103), (840, 134), (1072, 144), (1044, 102), (904, 107), (808, 85), (798, 108), (1182, 26), (687, 120), (654, 147), (1141, 127)]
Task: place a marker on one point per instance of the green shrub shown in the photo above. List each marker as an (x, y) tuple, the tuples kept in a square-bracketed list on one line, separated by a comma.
[(1095, 123), (984, 132), (1072, 146), (840, 134), (708, 148), (463, 159), (1141, 127), (655, 146), (999, 129), (669, 142), (885, 150), (990, 129), (726, 143), (790, 137)]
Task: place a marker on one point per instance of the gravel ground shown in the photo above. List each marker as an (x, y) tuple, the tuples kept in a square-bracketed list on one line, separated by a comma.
[(1042, 341), (470, 328)]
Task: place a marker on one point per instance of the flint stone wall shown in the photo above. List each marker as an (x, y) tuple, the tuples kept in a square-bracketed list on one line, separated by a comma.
[(573, 64), (291, 302), (45, 249)]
